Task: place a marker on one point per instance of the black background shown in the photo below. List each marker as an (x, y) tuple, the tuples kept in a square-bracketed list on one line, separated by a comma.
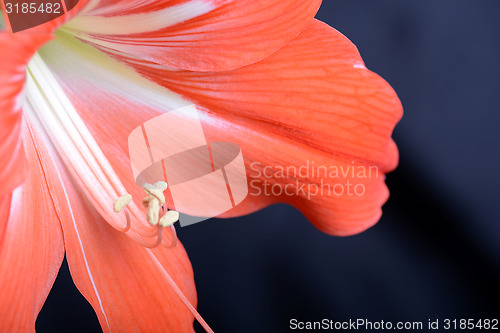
[(435, 253)]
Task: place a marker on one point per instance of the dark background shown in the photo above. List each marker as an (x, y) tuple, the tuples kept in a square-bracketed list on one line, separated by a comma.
[(435, 253)]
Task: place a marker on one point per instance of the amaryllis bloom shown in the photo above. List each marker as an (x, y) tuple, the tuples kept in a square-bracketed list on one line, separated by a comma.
[(288, 89)]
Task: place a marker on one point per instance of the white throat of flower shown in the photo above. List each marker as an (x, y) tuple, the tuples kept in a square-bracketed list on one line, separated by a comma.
[(50, 108)]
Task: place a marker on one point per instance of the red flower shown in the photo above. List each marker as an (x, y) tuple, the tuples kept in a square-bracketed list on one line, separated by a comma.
[(291, 91)]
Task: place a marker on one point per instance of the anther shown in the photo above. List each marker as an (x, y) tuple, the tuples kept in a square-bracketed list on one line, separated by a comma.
[(169, 218), (119, 205), (154, 200), (121, 202)]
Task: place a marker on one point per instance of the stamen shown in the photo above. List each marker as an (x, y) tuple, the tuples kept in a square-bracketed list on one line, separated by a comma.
[(179, 292), (174, 238), (48, 104), (161, 185), (121, 202), (158, 239), (127, 227), (169, 218), (153, 211), (153, 202)]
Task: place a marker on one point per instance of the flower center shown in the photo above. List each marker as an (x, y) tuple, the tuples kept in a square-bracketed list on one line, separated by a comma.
[(154, 202), (49, 108)]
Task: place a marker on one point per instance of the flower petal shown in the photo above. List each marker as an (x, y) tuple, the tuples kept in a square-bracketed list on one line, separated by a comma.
[(100, 88), (32, 248), (313, 101), (17, 51), (5, 201), (202, 35), (80, 152), (120, 278)]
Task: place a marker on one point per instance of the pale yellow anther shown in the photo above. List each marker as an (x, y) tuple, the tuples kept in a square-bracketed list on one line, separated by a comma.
[(153, 212), (154, 200), (169, 218), (154, 194), (121, 202), (161, 185)]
